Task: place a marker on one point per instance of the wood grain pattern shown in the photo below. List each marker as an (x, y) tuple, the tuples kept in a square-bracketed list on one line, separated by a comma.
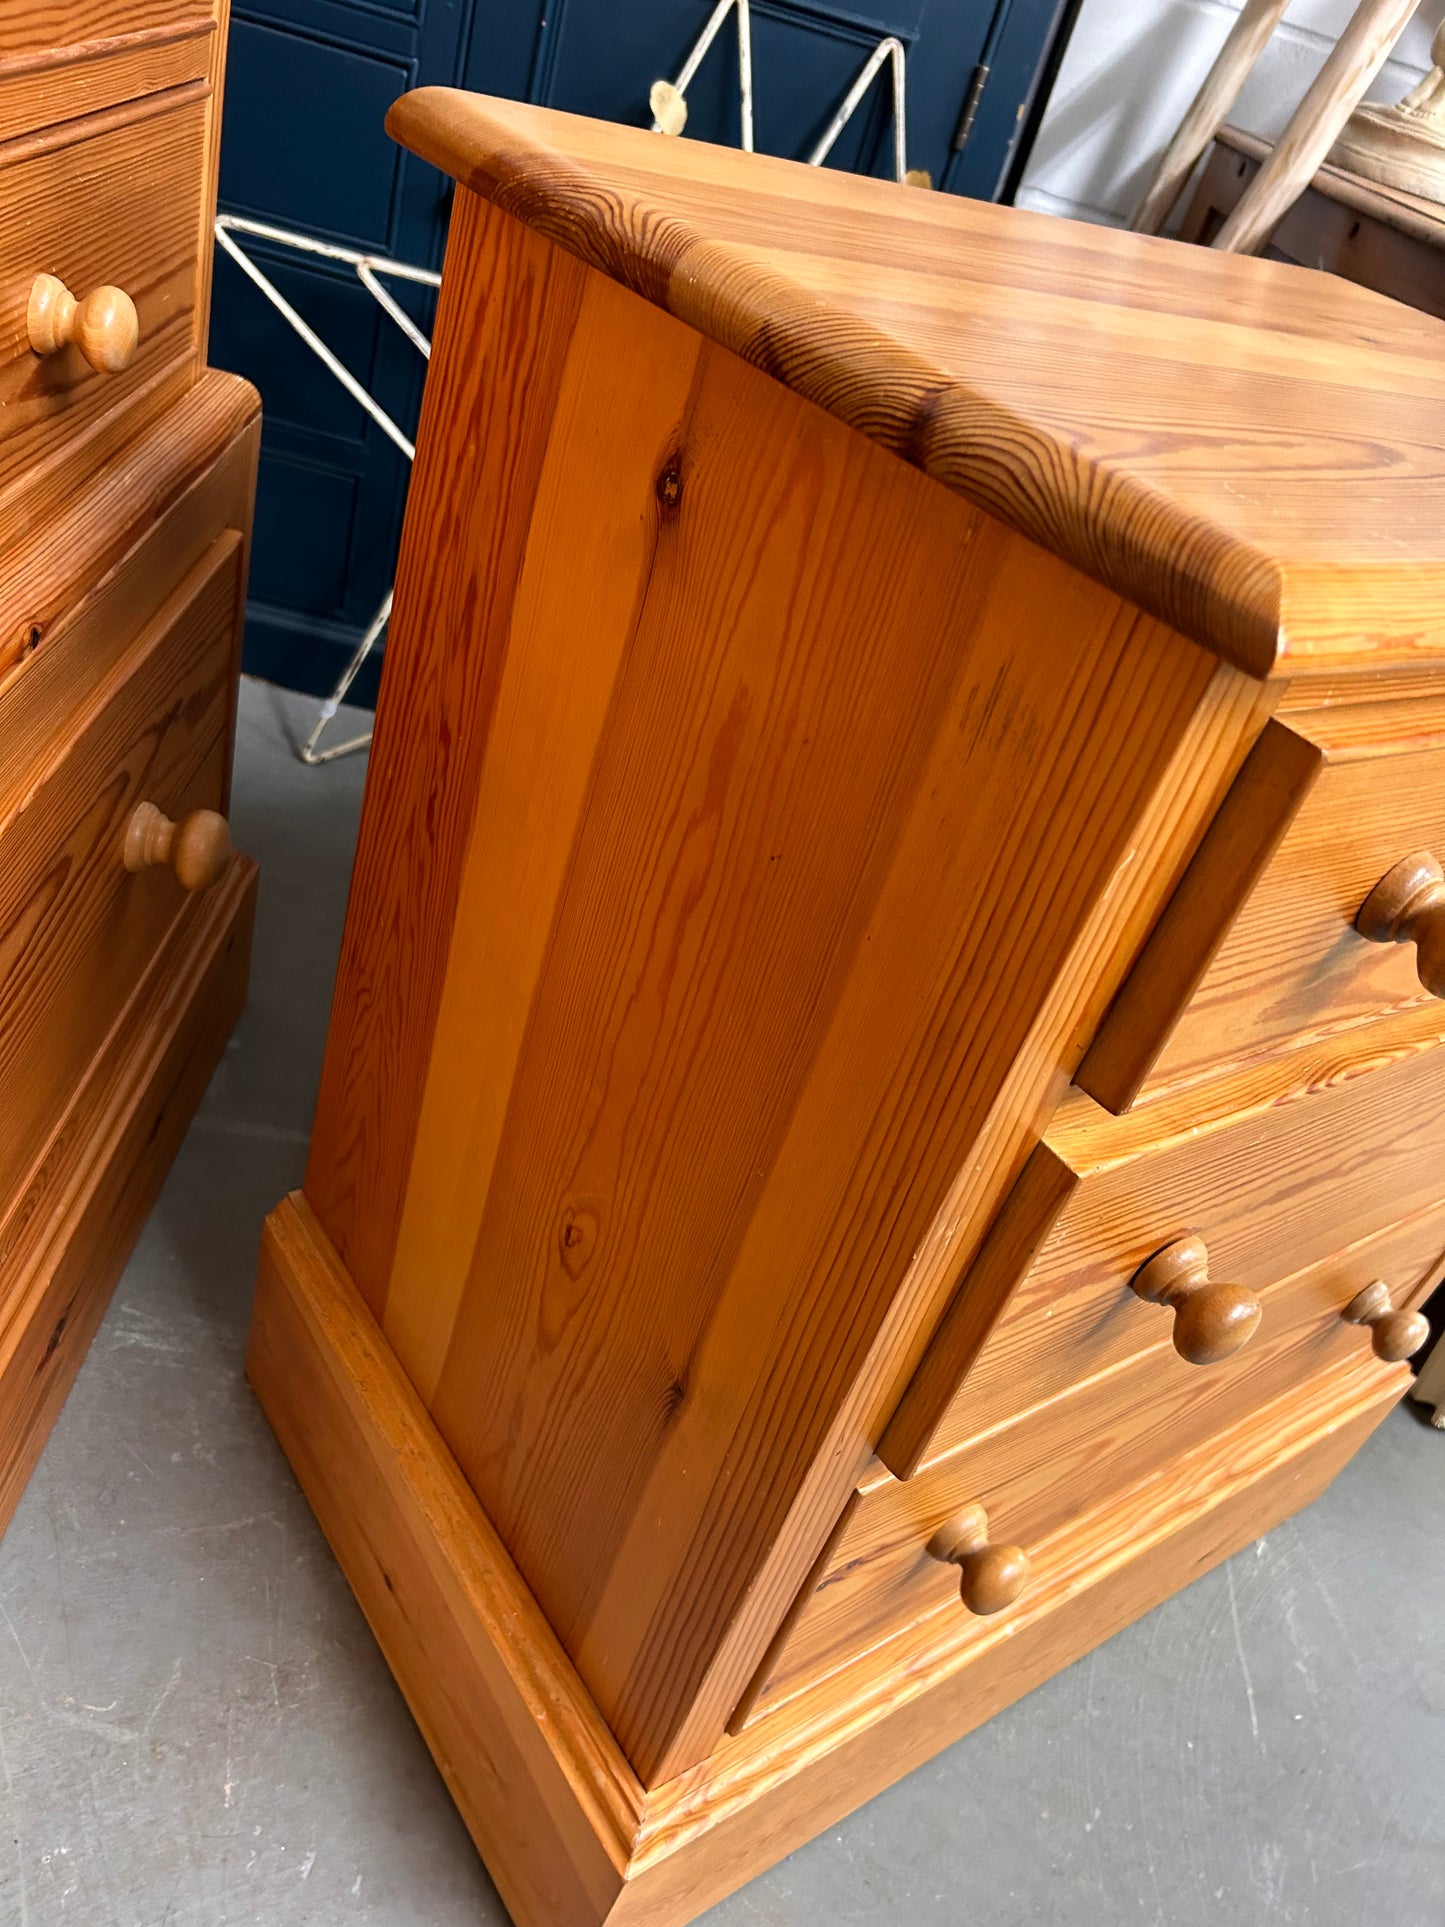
[(542, 1785), (1269, 1193), (34, 32), (55, 679), (693, 1201), (45, 83), (115, 198), (759, 829), (159, 497), (1299, 949), (586, 571), (567, 1833), (76, 929), (1100, 1436), (1159, 1530), (857, 1734), (948, 331), (1241, 838), (456, 577), (1257, 952), (1026, 1218), (66, 1236), (125, 494)]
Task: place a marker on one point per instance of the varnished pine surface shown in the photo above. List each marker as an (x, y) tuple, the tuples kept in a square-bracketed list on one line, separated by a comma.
[(65, 1237), (1268, 1194), (113, 198), (175, 486), (1030, 1464), (543, 1787), (673, 1152), (567, 1832), (882, 1646), (1291, 966), (1253, 452), (45, 84), (76, 929), (1163, 986), (1269, 1189), (33, 32)]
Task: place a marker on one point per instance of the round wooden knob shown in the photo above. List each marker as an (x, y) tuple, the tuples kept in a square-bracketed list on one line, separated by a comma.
[(1211, 1321), (990, 1577), (197, 849), (1407, 905), (104, 326), (1394, 1335)]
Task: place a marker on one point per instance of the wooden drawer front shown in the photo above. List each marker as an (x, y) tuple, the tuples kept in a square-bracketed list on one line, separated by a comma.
[(1036, 1473), (59, 61), (1212, 995), (29, 27), (1048, 1302), (117, 202), (76, 928)]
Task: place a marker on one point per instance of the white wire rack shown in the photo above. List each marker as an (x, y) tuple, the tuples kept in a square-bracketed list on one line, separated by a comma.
[(889, 50), (369, 270), (668, 98), (669, 105)]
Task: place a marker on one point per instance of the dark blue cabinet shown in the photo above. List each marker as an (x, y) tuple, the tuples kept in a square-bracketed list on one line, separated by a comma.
[(308, 85)]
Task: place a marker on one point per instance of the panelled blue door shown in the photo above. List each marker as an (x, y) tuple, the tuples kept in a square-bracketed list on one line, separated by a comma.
[(307, 88)]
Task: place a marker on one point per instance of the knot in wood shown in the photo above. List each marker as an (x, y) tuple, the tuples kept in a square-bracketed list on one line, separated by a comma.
[(669, 486)]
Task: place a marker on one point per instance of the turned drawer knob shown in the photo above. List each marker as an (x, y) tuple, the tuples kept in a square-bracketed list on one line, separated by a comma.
[(990, 1577), (1407, 905), (197, 848), (104, 325), (1210, 1321), (1393, 1334)]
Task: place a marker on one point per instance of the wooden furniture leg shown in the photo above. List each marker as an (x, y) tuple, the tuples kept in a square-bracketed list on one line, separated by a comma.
[(1358, 55), (1247, 37)]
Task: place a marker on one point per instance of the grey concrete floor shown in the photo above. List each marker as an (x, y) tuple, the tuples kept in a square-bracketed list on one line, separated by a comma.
[(196, 1729)]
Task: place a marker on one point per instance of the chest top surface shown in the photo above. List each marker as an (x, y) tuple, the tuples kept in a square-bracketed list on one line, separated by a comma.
[(1251, 450)]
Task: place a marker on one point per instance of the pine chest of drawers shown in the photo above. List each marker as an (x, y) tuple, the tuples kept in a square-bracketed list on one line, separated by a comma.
[(126, 476), (885, 1103)]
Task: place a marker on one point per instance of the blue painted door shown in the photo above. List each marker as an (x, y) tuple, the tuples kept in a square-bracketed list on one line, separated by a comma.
[(307, 87)]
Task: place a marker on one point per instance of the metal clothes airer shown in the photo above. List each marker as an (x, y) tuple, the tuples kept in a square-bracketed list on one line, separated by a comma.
[(668, 102)]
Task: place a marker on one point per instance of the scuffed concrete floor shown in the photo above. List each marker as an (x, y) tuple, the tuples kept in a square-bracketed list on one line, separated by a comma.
[(196, 1729)]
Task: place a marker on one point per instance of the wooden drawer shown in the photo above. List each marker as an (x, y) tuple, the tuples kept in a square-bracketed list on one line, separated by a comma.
[(1047, 1303), (63, 58), (1257, 951), (106, 717), (1103, 1449), (113, 200)]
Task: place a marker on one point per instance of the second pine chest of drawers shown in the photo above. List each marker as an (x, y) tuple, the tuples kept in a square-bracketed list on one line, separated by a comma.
[(126, 476)]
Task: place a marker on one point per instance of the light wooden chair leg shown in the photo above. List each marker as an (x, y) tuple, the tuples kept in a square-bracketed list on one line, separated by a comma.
[(1358, 55), (1247, 37)]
